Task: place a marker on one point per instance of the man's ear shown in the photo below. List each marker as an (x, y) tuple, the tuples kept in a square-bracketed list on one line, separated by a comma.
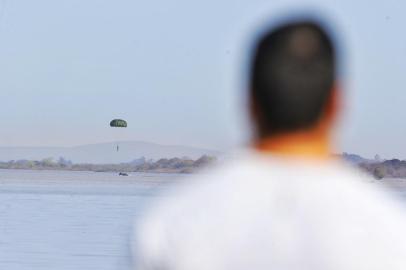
[(255, 116), (333, 104), (253, 109)]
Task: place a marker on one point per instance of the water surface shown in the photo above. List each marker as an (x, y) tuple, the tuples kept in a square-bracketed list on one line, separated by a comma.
[(71, 220), (60, 220)]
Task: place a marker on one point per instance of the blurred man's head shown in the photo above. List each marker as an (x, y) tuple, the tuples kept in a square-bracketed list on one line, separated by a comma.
[(292, 80)]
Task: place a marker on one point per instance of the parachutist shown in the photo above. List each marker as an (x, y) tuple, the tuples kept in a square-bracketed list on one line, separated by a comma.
[(118, 123)]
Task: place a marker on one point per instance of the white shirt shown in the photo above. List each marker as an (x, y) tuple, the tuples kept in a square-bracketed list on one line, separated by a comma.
[(260, 213)]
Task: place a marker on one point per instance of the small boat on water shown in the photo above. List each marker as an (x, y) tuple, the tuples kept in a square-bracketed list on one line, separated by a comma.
[(123, 174)]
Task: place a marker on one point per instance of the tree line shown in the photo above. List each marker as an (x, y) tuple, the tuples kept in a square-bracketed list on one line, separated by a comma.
[(166, 165)]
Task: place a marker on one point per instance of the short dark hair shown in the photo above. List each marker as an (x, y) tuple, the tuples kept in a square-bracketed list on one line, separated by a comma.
[(292, 76)]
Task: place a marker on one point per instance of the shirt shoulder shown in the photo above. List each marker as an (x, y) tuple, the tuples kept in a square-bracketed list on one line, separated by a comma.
[(330, 207)]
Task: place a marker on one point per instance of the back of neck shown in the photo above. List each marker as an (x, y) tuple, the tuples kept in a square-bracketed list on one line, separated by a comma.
[(304, 144)]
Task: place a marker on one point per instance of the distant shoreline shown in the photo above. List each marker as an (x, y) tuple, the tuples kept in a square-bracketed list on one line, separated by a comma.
[(379, 168)]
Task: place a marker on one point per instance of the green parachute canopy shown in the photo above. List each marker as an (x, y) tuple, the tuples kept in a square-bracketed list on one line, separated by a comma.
[(118, 123)]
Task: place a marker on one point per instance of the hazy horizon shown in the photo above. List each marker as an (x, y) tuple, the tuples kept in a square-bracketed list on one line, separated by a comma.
[(105, 142), (114, 143), (69, 67)]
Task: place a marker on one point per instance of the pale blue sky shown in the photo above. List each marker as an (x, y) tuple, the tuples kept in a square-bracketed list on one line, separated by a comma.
[(173, 70)]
